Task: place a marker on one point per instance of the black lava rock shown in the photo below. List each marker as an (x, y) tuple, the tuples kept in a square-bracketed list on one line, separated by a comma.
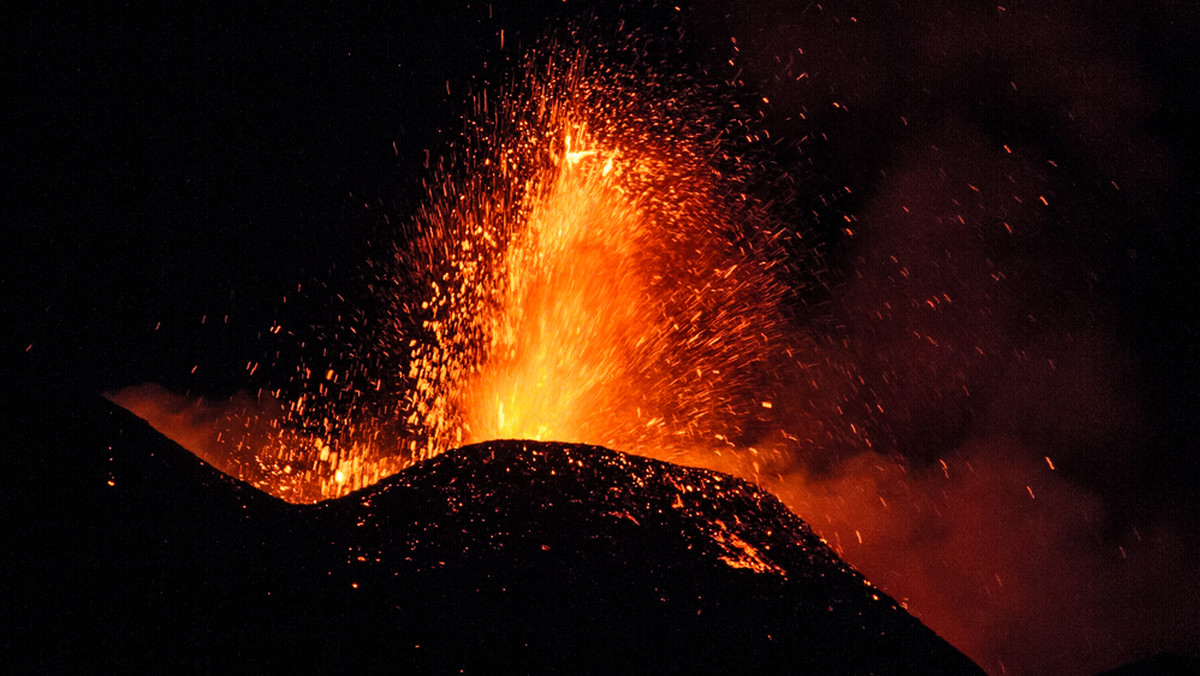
[(127, 553)]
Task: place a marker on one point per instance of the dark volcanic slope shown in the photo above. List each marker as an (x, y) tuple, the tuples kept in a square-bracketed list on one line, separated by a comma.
[(129, 553)]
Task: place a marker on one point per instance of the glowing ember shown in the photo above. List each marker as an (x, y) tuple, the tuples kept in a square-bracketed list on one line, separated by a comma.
[(588, 268)]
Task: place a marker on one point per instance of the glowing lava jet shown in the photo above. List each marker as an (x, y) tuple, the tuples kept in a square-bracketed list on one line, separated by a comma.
[(588, 268)]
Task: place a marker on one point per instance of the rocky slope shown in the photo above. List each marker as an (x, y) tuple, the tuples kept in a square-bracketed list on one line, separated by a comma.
[(128, 553)]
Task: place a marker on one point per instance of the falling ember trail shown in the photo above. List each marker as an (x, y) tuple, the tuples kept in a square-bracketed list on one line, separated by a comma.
[(588, 267)]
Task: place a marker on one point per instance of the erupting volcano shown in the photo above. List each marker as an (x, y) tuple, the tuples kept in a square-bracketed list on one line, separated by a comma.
[(506, 335)]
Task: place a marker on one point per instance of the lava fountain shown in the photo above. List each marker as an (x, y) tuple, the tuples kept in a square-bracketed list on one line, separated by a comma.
[(601, 288), (590, 265)]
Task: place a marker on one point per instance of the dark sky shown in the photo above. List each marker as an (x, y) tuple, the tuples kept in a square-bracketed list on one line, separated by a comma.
[(175, 172), (191, 161), (168, 163)]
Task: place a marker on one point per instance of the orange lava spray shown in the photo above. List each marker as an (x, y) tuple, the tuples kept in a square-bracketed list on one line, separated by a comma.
[(589, 266)]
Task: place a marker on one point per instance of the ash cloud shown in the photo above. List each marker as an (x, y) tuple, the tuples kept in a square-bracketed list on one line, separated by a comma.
[(1005, 207)]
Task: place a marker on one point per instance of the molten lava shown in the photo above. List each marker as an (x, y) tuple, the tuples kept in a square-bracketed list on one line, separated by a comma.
[(587, 268)]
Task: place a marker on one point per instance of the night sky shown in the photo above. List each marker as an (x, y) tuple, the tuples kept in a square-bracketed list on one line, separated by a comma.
[(176, 172)]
